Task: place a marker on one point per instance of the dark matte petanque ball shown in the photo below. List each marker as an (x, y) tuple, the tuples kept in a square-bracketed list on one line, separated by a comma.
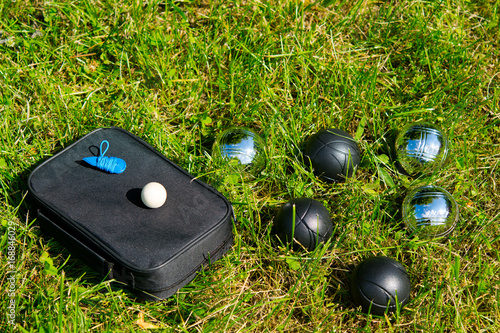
[(312, 224), (377, 282), (333, 154)]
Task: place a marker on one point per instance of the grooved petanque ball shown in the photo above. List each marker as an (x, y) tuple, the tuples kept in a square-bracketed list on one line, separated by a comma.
[(377, 282), (430, 212), (333, 154), (421, 148), (243, 147), (312, 224)]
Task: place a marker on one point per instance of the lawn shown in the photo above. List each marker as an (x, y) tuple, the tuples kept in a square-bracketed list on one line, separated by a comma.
[(178, 73)]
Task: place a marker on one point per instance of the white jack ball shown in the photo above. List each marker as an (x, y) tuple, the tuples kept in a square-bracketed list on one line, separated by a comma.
[(153, 195)]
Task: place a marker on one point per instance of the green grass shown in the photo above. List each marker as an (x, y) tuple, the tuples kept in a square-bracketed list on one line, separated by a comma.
[(179, 73)]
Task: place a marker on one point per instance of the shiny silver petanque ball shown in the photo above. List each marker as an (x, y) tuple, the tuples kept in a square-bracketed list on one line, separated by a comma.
[(333, 154), (430, 212), (240, 148), (421, 148)]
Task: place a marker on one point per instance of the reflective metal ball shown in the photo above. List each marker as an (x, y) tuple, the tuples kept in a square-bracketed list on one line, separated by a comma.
[(241, 148), (430, 211), (421, 147)]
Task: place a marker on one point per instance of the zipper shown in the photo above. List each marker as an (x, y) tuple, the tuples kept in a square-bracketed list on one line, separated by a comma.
[(179, 282)]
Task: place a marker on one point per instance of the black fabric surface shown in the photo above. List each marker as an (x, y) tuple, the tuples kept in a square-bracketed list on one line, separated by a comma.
[(108, 208)]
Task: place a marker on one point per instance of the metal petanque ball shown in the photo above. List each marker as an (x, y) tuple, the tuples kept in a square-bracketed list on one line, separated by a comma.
[(333, 154), (430, 212), (241, 148), (380, 284), (421, 148), (305, 220)]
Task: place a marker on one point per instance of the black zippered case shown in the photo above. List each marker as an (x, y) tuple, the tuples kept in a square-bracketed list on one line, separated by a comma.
[(100, 218)]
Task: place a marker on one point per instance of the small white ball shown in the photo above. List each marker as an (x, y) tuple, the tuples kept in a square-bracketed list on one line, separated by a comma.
[(153, 195)]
